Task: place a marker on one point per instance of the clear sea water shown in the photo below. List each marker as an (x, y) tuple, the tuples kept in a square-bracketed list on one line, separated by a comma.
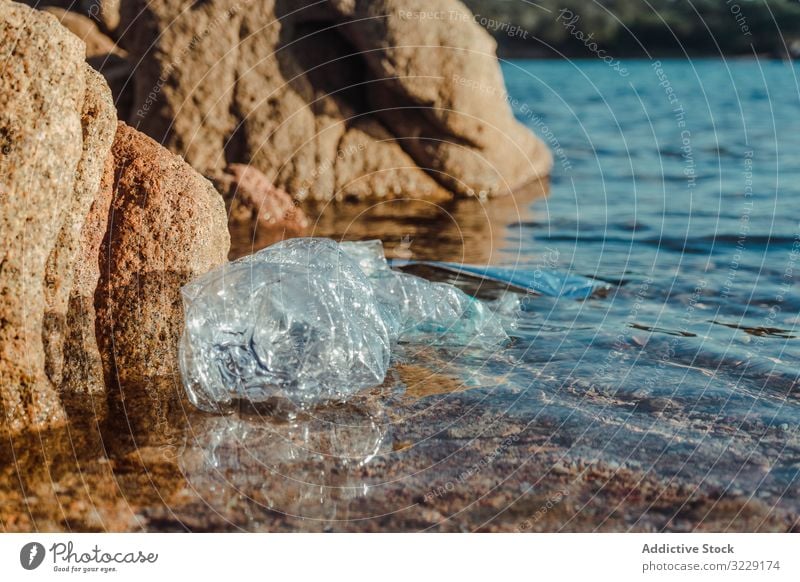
[(680, 184)]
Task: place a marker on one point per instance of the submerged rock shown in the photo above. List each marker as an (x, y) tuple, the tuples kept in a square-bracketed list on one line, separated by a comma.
[(302, 95)]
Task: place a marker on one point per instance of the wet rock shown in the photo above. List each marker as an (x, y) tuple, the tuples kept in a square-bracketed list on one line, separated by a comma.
[(167, 224), (45, 168), (254, 204), (288, 91)]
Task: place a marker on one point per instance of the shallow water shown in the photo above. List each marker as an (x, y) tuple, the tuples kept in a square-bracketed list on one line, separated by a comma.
[(669, 402), (689, 369)]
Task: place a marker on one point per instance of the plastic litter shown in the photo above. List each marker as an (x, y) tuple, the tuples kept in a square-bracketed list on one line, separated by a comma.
[(543, 281), (310, 320)]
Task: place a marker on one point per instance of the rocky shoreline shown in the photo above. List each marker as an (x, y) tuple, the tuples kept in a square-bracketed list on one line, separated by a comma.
[(236, 118)]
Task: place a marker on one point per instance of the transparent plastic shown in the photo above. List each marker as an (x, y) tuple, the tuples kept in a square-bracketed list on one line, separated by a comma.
[(310, 320)]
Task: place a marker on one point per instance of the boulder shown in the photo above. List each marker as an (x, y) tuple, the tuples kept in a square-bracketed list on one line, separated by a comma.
[(167, 224), (441, 91), (83, 365), (97, 43), (99, 121), (258, 211), (49, 102), (102, 53), (286, 88)]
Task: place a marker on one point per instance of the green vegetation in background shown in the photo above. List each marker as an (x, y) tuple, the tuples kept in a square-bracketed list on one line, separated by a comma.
[(663, 27)]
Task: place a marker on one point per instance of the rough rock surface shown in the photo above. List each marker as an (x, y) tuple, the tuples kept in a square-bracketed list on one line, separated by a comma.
[(83, 366), (99, 120), (167, 224), (73, 207), (102, 53), (267, 213), (441, 92), (45, 174), (286, 89), (97, 43)]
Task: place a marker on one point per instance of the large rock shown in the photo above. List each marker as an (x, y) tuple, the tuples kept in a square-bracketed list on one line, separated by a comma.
[(167, 224), (102, 53), (441, 92), (83, 365), (72, 207), (53, 119), (99, 121), (291, 91)]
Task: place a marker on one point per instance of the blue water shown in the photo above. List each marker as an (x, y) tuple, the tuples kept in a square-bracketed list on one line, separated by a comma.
[(680, 184)]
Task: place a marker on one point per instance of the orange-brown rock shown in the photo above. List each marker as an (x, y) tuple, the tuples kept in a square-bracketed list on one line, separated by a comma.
[(53, 124), (257, 210), (73, 207), (167, 224), (288, 89), (83, 366)]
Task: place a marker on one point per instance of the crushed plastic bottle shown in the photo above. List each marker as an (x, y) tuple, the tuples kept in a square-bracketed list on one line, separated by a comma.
[(310, 320)]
